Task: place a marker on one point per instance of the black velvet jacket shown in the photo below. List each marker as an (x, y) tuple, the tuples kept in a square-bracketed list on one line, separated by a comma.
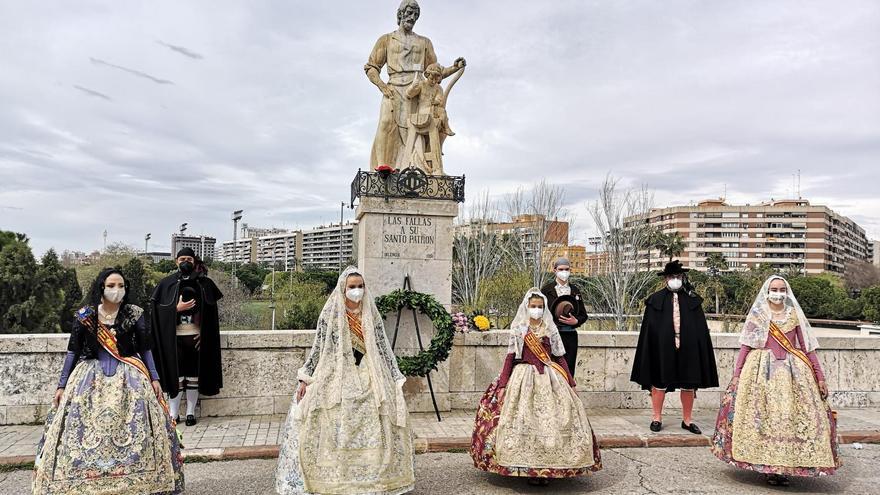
[(132, 334)]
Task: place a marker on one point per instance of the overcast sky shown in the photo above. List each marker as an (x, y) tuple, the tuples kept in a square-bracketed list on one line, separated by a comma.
[(137, 116)]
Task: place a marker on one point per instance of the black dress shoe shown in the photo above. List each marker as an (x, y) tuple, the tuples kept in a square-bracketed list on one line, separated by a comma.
[(691, 428), (191, 420), (656, 426)]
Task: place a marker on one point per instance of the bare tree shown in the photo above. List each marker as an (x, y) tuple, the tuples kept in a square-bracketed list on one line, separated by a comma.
[(858, 275), (544, 234), (477, 251), (620, 217)]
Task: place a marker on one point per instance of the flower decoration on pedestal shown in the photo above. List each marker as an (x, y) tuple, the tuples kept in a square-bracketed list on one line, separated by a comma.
[(385, 171), (462, 322), (482, 322)]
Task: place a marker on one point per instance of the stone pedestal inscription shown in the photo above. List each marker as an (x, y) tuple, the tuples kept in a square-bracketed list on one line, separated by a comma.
[(413, 236), (401, 237)]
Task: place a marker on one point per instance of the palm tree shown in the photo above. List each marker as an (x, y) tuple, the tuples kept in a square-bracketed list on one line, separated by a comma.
[(653, 240), (671, 245)]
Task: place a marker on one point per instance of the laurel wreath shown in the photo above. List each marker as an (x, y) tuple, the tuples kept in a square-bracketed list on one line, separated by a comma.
[(425, 361)]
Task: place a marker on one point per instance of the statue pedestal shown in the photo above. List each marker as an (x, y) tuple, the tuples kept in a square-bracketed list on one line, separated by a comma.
[(410, 236)]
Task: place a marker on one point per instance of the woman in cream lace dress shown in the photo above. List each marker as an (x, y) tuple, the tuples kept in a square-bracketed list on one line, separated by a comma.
[(347, 431)]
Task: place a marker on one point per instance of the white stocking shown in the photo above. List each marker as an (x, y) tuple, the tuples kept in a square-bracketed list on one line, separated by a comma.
[(175, 405), (192, 396)]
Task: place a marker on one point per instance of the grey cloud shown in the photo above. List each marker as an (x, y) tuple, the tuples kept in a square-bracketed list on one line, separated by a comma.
[(181, 50), (683, 96), (92, 92), (134, 72)]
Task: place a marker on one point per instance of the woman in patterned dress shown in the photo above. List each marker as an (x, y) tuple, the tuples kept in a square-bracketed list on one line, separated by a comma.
[(774, 417), (347, 430), (531, 422), (109, 430)]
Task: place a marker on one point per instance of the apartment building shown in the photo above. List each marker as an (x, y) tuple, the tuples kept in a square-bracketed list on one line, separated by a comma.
[(204, 246), (317, 248), (787, 234)]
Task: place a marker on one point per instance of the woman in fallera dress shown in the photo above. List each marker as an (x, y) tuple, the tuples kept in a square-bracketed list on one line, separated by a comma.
[(774, 417), (347, 431), (530, 422), (109, 430)]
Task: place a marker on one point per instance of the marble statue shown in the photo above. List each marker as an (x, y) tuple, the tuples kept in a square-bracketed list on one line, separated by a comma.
[(412, 116)]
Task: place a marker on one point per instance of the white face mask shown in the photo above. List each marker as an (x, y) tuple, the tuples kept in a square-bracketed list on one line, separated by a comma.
[(355, 295), (536, 313), (563, 275), (777, 297), (674, 284), (114, 295)]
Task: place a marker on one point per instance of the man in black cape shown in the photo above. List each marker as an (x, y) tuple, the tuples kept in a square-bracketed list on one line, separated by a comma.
[(186, 334), (675, 350), (566, 321)]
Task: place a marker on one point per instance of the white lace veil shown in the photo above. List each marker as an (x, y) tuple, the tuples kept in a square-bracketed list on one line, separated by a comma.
[(757, 325), (331, 361), (520, 325)]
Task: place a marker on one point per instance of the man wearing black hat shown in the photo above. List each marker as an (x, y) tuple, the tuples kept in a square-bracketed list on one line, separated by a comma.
[(674, 350), (186, 334), (567, 306)]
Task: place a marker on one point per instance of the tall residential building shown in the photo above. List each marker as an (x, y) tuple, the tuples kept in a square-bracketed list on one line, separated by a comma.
[(320, 248), (317, 248), (239, 251), (203, 245), (874, 253), (596, 263), (278, 248), (787, 234), (247, 231), (529, 229)]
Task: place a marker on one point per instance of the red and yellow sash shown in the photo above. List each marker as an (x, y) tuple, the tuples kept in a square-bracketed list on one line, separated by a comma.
[(108, 342), (537, 347), (357, 333), (780, 338)]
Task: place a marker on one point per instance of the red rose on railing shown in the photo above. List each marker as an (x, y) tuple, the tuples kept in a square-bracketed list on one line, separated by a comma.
[(385, 170)]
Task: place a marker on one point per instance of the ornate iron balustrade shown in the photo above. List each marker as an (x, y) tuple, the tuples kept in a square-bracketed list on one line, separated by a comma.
[(407, 183)]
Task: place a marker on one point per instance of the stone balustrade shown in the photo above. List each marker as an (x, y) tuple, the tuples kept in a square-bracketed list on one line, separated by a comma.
[(259, 370)]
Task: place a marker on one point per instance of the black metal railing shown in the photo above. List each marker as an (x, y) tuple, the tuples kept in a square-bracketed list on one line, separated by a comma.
[(407, 183)]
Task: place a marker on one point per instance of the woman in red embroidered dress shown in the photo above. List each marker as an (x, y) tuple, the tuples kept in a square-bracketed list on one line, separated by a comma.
[(774, 417), (531, 422)]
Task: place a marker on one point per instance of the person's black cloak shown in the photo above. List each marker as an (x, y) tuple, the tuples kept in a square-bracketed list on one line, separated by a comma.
[(163, 323), (657, 362)]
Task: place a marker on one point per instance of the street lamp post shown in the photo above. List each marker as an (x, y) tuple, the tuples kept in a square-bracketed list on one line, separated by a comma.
[(147, 243), (272, 303), (236, 216), (341, 213)]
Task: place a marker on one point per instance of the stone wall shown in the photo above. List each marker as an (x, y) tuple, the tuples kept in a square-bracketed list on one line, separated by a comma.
[(259, 370), (605, 362)]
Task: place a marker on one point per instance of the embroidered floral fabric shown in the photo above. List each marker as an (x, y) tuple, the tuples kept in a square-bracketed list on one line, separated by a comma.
[(349, 434), (774, 419), (108, 435), (536, 426)]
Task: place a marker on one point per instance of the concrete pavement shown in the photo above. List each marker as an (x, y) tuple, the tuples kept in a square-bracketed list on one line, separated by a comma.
[(257, 436), (661, 470)]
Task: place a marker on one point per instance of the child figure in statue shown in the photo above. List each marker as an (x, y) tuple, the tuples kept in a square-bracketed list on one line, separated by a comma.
[(432, 99)]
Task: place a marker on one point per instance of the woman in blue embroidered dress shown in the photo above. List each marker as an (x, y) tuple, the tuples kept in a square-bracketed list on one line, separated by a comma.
[(109, 430)]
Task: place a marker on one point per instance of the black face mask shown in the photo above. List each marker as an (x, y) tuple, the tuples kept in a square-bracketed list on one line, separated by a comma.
[(186, 268)]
